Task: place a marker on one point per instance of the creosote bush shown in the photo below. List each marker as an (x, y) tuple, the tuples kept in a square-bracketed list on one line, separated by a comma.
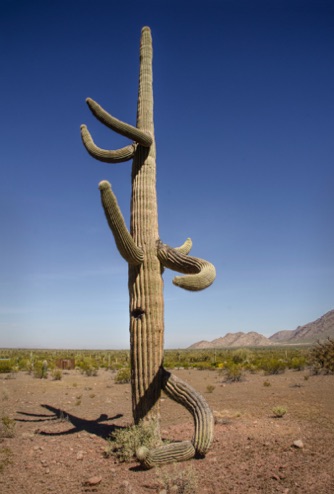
[(123, 443), (279, 411), (274, 366), (6, 366), (5, 457), (322, 357), (88, 366), (123, 376), (232, 372), (57, 374), (7, 427), (178, 481)]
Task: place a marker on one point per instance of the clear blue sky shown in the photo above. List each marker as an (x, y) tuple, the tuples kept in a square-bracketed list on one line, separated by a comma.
[(244, 114)]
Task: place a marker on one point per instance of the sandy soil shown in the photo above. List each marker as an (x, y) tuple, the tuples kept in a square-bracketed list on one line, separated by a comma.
[(61, 427)]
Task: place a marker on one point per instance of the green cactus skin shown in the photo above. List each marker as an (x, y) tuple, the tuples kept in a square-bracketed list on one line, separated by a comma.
[(147, 257)]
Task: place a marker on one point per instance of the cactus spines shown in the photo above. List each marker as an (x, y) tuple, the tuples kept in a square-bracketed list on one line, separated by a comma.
[(146, 256)]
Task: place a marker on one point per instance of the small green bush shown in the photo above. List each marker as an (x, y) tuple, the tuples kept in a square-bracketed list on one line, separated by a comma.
[(40, 370), (123, 376), (5, 458), (322, 357), (6, 366), (274, 366), (124, 443), (88, 367), (180, 480), (233, 372), (298, 363), (279, 411), (57, 374), (210, 388), (7, 427)]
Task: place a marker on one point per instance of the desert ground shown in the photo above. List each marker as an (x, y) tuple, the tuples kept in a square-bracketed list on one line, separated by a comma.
[(61, 428)]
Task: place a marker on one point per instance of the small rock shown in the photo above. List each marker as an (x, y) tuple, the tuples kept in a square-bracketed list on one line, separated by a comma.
[(94, 480), (80, 455), (298, 443)]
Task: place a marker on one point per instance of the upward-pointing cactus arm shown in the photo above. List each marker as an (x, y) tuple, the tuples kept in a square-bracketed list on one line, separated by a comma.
[(199, 273), (185, 248), (125, 243)]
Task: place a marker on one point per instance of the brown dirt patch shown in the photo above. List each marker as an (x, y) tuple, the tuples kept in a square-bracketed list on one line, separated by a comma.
[(61, 428)]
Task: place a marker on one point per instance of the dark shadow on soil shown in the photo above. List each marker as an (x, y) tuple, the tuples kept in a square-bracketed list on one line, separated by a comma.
[(99, 427)]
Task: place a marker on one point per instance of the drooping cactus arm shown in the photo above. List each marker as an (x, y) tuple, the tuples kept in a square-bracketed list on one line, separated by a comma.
[(199, 273), (125, 243), (107, 156), (184, 394), (137, 135)]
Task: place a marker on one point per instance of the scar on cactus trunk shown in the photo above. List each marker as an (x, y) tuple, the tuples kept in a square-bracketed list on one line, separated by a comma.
[(147, 256)]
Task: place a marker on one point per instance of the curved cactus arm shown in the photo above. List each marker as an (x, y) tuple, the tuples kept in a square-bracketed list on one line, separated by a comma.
[(185, 248), (171, 453), (199, 273), (108, 156), (137, 135), (184, 394), (125, 243)]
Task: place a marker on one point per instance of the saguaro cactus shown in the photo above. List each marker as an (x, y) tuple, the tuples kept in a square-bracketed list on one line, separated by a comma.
[(147, 256)]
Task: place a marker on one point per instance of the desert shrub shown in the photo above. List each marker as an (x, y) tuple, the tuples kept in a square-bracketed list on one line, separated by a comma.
[(241, 356), (210, 388), (298, 363), (57, 374), (274, 366), (123, 443), (178, 481), (123, 376), (4, 395), (7, 427), (6, 366), (232, 372), (5, 457), (266, 383), (279, 411), (40, 370), (87, 366), (322, 357), (203, 366)]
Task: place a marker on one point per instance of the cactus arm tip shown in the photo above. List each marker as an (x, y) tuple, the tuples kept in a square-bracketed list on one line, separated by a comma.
[(185, 248), (199, 281), (200, 274)]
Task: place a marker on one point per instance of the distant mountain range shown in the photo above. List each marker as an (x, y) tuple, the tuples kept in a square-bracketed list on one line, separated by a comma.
[(320, 329)]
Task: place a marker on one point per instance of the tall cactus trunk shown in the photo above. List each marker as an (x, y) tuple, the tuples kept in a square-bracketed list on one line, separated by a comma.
[(145, 281), (147, 256)]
